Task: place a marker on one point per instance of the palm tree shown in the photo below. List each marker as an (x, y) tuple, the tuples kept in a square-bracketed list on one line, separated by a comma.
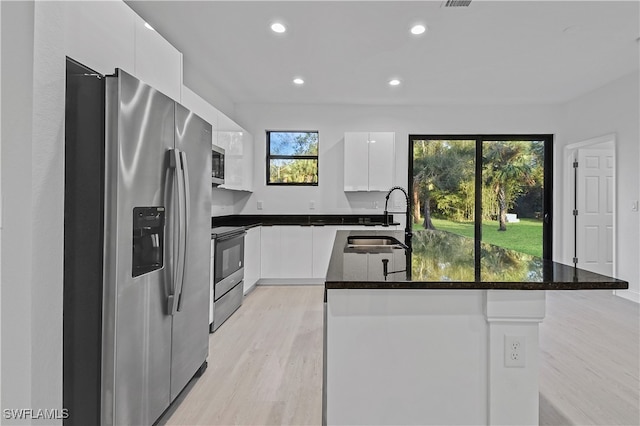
[(507, 169), (439, 168)]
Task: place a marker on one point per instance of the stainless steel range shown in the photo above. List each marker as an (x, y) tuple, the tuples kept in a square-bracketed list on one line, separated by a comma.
[(227, 274)]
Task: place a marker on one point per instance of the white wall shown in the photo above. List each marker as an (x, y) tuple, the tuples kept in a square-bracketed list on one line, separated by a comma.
[(36, 38), (333, 120), (0, 207), (17, 151), (615, 109)]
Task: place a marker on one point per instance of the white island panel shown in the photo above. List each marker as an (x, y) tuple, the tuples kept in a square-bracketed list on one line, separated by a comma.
[(428, 357)]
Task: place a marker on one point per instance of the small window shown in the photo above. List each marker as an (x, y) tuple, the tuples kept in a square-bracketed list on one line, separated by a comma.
[(292, 158)]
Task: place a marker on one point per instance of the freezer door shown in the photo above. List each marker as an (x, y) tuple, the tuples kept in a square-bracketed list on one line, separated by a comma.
[(136, 325), (190, 331)]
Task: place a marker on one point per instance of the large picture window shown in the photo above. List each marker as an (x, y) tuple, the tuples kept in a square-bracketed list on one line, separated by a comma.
[(292, 158), (494, 188)]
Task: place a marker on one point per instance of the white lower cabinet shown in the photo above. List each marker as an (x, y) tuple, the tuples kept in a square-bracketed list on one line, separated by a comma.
[(323, 238), (371, 262), (298, 252), (286, 252), (252, 255), (269, 252)]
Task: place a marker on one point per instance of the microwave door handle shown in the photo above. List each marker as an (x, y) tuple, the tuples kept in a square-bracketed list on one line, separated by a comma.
[(186, 221)]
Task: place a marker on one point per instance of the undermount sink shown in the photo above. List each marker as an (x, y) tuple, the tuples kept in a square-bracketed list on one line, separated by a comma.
[(366, 241)]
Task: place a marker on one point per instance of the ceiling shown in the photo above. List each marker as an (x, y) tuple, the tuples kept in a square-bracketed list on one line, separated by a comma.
[(492, 52)]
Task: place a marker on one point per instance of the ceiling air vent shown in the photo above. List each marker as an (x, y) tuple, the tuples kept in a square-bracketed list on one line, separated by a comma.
[(457, 3)]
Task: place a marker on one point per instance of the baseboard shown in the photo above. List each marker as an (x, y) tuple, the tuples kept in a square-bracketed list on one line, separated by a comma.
[(628, 294), (250, 289), (290, 281)]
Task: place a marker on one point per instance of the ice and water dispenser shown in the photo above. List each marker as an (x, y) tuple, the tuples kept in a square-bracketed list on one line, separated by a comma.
[(148, 239)]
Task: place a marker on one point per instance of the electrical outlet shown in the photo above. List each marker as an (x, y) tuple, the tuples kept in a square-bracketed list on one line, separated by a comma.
[(259, 205), (312, 204), (514, 351)]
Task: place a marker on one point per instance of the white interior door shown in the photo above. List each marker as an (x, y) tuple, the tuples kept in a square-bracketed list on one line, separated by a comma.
[(595, 190)]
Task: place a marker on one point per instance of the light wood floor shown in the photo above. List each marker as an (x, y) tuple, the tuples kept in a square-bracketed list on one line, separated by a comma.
[(589, 360), (265, 362)]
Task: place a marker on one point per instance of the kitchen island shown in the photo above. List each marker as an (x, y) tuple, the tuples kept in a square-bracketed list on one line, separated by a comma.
[(433, 334)]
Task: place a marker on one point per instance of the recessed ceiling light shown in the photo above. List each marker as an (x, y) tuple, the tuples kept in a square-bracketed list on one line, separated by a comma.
[(149, 27), (278, 27), (394, 82), (418, 29), (298, 81)]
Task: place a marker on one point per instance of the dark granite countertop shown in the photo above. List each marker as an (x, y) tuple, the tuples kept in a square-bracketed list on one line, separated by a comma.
[(441, 260), (299, 220)]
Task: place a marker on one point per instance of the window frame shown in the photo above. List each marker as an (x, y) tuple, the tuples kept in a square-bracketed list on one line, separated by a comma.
[(547, 139), (270, 157)]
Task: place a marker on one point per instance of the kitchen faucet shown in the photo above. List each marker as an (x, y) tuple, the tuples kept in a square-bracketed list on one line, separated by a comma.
[(407, 229)]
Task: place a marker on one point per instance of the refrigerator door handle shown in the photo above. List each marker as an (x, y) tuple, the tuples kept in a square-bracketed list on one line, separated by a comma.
[(186, 220), (178, 233)]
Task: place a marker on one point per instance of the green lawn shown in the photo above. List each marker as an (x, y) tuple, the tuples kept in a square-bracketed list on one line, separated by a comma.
[(524, 236)]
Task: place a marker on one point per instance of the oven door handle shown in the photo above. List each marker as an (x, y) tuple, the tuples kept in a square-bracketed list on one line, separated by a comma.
[(230, 236)]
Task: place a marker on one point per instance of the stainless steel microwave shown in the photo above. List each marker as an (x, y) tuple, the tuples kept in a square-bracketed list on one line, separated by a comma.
[(217, 165)]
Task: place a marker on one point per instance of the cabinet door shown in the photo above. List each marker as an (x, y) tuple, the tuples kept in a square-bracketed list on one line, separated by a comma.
[(323, 239), (247, 161), (356, 167), (375, 267), (157, 62), (381, 160), (251, 257), (231, 142), (231, 137), (270, 252), (296, 252), (91, 40), (354, 265)]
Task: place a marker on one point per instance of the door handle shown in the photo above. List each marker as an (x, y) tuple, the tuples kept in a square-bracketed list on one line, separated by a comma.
[(178, 232), (186, 222)]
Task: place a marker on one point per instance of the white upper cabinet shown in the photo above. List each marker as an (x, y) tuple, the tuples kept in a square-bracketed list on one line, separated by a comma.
[(356, 163), (202, 108), (382, 160), (157, 62), (90, 37), (369, 161), (227, 134), (238, 150), (104, 35)]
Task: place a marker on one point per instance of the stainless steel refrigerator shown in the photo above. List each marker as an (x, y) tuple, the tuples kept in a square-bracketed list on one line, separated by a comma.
[(137, 249)]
